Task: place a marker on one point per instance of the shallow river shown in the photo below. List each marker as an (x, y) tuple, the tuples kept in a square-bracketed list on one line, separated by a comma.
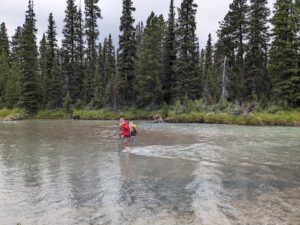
[(74, 172)]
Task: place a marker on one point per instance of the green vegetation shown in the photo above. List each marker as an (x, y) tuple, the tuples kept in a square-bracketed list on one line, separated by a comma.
[(273, 116), (13, 113), (157, 66)]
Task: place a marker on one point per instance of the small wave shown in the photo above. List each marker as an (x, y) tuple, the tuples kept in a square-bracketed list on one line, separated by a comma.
[(194, 152)]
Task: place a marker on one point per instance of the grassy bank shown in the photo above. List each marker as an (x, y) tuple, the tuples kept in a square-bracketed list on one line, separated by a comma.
[(278, 118)]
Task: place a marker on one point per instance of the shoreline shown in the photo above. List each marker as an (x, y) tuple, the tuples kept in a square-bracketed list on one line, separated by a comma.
[(281, 118)]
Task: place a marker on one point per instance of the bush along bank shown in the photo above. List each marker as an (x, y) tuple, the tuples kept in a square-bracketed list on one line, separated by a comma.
[(278, 118)]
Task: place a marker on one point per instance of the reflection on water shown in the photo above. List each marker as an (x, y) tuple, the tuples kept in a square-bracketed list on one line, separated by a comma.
[(74, 172)]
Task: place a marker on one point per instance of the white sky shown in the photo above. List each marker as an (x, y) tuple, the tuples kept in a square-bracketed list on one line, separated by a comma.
[(210, 12)]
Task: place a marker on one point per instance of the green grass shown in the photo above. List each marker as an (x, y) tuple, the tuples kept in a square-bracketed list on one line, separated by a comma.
[(52, 114), (275, 118), (15, 113), (282, 118)]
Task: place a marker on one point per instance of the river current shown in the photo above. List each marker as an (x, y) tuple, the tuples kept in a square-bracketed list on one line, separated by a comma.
[(75, 172)]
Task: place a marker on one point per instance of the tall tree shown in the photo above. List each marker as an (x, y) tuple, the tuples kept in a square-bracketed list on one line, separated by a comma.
[(187, 63), (29, 65), (16, 46), (256, 78), (78, 93), (169, 56), (232, 35), (92, 14), (208, 72), (4, 75), (110, 70), (53, 78), (68, 48), (43, 68), (127, 54), (4, 41), (284, 53), (149, 64)]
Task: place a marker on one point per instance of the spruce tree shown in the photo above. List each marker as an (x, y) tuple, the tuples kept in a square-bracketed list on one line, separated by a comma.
[(127, 54), (232, 35), (43, 69), (169, 56), (4, 41), (4, 75), (78, 93), (29, 64), (208, 72), (92, 14), (284, 53), (13, 87), (16, 46), (149, 64), (110, 70), (256, 78), (187, 64), (69, 49), (53, 78)]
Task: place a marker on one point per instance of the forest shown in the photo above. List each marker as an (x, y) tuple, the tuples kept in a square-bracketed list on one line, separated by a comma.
[(157, 64)]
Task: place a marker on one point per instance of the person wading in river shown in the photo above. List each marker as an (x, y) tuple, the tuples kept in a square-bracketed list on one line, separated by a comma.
[(124, 132)]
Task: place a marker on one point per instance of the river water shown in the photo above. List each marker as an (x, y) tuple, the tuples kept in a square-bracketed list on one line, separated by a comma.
[(74, 172)]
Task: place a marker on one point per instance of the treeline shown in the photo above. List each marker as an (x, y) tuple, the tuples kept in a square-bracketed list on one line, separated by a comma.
[(156, 63)]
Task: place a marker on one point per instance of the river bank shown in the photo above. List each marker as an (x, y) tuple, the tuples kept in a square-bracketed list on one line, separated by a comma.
[(280, 118)]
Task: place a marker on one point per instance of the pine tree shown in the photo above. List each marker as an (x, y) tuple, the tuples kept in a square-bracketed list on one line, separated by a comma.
[(4, 41), (208, 72), (284, 53), (16, 46), (69, 49), (4, 75), (92, 14), (29, 65), (78, 94), (232, 36), (187, 64), (110, 70), (53, 78), (149, 64), (43, 69), (169, 56), (13, 87), (127, 54), (256, 78)]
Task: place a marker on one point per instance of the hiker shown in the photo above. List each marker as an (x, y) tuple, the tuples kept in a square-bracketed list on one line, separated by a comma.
[(133, 130), (124, 131)]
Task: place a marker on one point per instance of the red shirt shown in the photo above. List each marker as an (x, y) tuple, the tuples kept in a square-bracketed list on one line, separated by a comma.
[(125, 129)]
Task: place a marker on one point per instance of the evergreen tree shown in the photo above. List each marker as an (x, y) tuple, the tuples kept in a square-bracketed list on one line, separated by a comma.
[(127, 54), (149, 64), (232, 36), (78, 92), (92, 14), (16, 46), (4, 41), (256, 79), (169, 56), (208, 72), (69, 49), (187, 64), (29, 65), (13, 87), (284, 53), (43, 69), (4, 75), (53, 78), (110, 74)]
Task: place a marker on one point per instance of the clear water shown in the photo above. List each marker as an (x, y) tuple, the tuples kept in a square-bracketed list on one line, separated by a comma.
[(74, 172)]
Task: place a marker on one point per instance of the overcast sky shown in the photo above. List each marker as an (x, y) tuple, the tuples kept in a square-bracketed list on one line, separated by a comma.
[(210, 12)]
